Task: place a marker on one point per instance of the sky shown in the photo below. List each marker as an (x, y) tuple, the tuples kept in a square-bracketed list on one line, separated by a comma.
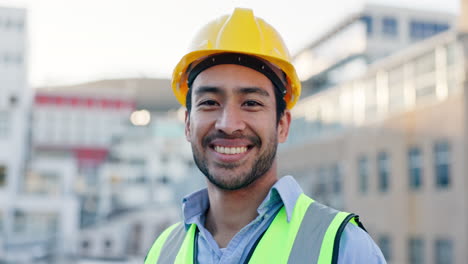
[(73, 41)]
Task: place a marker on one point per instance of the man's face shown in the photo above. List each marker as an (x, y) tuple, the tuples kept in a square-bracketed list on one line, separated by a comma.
[(232, 126)]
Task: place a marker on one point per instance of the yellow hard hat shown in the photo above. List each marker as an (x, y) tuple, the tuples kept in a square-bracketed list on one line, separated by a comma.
[(242, 33)]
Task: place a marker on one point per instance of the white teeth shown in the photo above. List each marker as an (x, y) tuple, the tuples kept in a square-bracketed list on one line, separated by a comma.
[(230, 151)]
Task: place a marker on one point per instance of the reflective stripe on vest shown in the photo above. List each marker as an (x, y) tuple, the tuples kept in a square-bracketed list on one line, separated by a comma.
[(155, 250), (312, 235)]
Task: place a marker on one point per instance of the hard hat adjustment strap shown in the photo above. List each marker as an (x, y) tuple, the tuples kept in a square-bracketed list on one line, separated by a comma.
[(237, 59)]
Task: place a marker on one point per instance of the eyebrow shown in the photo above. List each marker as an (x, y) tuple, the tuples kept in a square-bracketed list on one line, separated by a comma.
[(208, 89), (253, 90), (216, 90)]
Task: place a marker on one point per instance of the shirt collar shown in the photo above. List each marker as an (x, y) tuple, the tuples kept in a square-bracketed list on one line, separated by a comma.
[(195, 205), (285, 190)]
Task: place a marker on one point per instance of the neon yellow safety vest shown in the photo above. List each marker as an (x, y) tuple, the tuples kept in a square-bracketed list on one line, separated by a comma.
[(311, 236)]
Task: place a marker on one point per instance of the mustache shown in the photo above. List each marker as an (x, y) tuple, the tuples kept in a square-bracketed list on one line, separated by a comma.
[(254, 140)]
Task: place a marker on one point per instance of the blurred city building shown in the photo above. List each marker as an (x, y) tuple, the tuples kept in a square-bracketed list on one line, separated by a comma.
[(143, 181), (125, 238), (105, 170), (77, 129), (389, 142), (152, 94), (380, 131), (15, 101), (109, 165), (344, 52)]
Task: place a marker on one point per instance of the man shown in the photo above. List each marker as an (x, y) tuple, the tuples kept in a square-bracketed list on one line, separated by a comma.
[(238, 86)]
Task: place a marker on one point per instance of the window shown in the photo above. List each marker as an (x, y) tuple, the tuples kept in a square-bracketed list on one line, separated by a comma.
[(35, 223), (415, 168), (383, 170), (3, 175), (423, 29), (336, 178), (11, 58), (451, 50), (443, 251), (396, 87), (426, 91), (1, 223), (20, 26), (442, 164), (368, 22), (4, 123), (321, 189), (12, 24), (6, 58), (385, 245), (108, 244), (19, 59), (85, 247), (442, 27), (416, 30), (43, 183), (389, 27), (363, 174), (85, 244), (8, 23), (13, 100), (370, 91), (134, 246), (19, 221), (416, 251), (425, 81), (425, 64)]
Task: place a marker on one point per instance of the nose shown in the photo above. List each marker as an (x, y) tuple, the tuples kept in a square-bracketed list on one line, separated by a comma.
[(230, 120)]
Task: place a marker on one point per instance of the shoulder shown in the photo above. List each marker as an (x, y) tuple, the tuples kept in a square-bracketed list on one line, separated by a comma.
[(356, 246)]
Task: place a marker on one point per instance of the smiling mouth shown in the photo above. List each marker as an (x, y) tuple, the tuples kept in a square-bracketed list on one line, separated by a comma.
[(230, 150)]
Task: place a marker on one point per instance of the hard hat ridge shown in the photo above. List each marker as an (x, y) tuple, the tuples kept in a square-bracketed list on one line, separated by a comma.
[(239, 33)]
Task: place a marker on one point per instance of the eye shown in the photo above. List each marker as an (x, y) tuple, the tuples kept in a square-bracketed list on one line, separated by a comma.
[(251, 103), (208, 103)]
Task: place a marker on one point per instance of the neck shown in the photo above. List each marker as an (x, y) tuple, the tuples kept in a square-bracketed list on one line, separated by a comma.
[(230, 211)]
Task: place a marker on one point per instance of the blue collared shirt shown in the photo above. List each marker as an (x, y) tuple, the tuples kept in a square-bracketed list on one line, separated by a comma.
[(356, 246)]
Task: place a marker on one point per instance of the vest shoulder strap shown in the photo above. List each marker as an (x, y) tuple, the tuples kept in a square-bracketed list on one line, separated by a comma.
[(312, 235), (174, 245), (320, 233), (279, 239), (153, 254), (329, 250)]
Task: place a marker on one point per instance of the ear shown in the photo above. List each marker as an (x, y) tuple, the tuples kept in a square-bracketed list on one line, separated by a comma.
[(283, 126), (187, 125)]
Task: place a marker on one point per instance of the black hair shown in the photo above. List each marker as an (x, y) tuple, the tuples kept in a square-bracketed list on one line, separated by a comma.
[(279, 99)]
